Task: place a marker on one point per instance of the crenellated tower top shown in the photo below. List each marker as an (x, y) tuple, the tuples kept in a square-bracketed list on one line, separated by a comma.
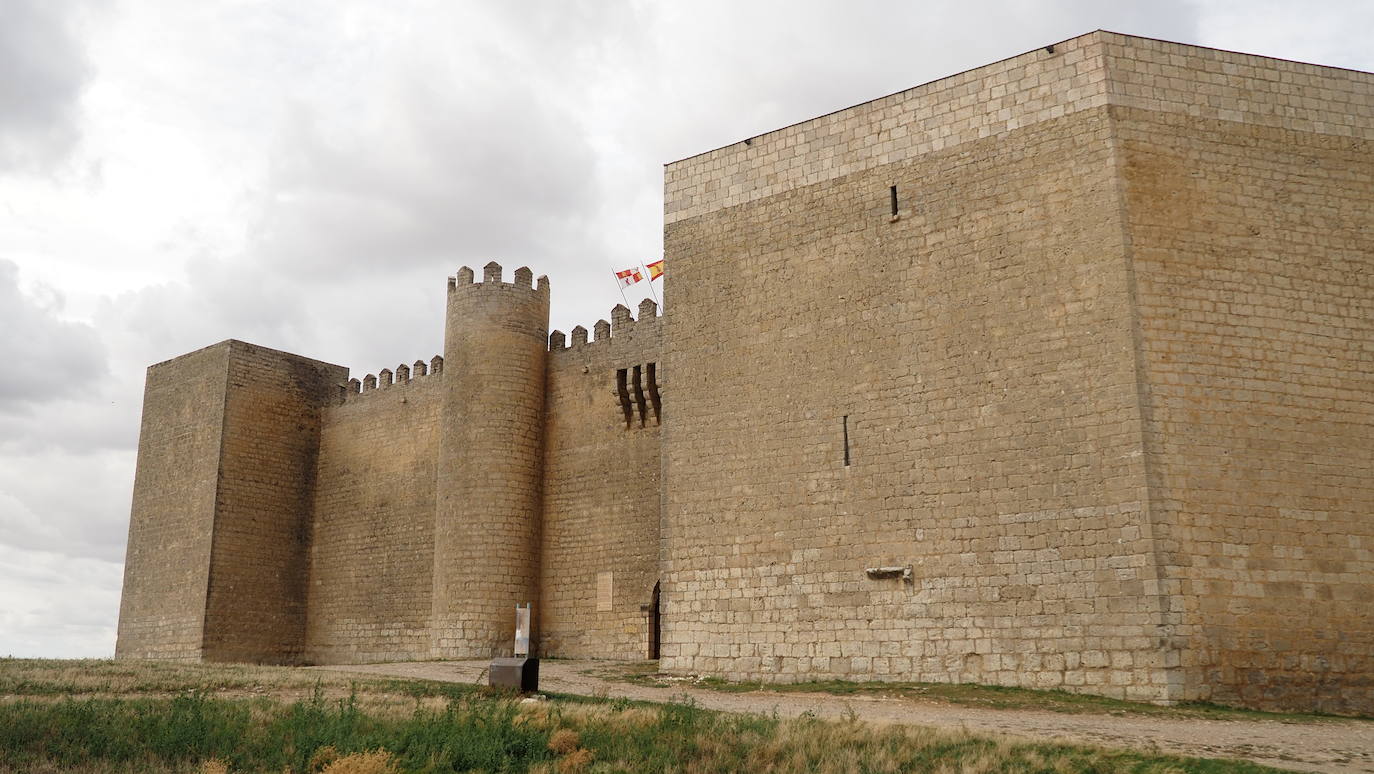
[(492, 276)]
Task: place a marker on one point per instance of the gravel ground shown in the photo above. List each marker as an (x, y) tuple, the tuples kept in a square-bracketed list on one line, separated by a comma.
[(1334, 746)]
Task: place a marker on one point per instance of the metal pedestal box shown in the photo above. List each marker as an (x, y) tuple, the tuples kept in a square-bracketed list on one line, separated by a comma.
[(519, 674)]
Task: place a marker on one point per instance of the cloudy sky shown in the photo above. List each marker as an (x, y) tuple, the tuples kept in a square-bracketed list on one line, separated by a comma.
[(304, 175)]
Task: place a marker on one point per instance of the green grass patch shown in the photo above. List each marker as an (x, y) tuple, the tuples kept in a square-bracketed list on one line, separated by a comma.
[(479, 731)]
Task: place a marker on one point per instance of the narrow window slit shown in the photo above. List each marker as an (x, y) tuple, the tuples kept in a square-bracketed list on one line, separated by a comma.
[(846, 440), (621, 389), (639, 395), (653, 394), (892, 193)]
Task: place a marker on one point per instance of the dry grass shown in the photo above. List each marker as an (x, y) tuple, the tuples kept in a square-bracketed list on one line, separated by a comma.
[(373, 762), (575, 761), (563, 741), (105, 677), (322, 757), (393, 726)]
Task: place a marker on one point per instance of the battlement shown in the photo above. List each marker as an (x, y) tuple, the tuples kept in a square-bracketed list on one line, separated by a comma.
[(621, 324), (402, 376), (491, 279)]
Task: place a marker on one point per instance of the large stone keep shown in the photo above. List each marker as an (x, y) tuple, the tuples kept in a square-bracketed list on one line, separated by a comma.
[(1054, 373)]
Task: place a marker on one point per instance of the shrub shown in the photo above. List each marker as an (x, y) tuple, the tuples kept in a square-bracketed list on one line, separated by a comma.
[(563, 741)]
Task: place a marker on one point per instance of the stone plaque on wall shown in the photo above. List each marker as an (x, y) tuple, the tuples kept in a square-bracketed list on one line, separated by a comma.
[(604, 591)]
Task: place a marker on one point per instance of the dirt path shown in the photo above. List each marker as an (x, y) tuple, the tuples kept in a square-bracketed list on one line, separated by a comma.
[(1336, 746)]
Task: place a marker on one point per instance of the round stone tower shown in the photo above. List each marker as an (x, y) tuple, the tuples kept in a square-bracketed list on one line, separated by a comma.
[(486, 530)]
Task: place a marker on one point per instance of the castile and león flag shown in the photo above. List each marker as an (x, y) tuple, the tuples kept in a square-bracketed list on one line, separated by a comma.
[(627, 277)]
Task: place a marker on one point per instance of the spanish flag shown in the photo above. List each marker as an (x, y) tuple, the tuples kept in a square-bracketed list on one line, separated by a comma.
[(655, 269)]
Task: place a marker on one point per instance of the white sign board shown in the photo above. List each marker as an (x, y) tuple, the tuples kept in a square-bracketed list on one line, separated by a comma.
[(522, 630)]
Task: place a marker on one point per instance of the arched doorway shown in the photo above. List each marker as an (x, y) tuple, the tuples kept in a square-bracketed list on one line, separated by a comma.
[(654, 630)]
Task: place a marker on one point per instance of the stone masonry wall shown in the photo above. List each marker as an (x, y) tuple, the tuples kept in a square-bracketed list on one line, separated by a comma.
[(255, 606), (1249, 186), (975, 351), (372, 552), (601, 489), (972, 105), (162, 609), (486, 531)]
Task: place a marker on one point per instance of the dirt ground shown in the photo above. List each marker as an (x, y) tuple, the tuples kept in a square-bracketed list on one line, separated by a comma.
[(1334, 746)]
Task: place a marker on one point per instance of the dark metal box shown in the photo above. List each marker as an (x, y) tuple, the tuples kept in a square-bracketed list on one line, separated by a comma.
[(519, 674)]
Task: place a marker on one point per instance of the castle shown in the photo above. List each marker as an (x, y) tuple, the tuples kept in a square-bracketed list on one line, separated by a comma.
[(1055, 373)]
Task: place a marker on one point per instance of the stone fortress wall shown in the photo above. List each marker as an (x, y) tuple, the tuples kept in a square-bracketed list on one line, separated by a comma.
[(1248, 187), (372, 552), (602, 488), (1106, 375), (300, 521), (1081, 343), (949, 388)]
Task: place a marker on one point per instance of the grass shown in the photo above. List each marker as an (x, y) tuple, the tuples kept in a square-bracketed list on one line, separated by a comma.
[(394, 726), (105, 677), (964, 694)]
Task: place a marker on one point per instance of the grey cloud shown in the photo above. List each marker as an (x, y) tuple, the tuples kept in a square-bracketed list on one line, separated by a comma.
[(34, 584), (221, 298), (759, 66), (459, 170), (105, 420), (43, 70), (45, 356), (70, 504)]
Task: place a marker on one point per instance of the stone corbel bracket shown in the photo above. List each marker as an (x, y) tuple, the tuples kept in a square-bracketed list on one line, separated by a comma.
[(878, 573)]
